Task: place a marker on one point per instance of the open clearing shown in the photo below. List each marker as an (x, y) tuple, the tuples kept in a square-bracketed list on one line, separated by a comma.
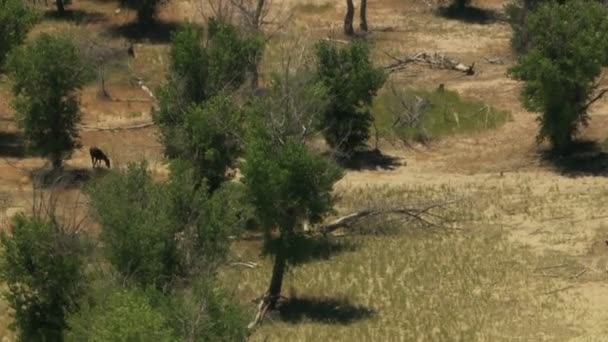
[(535, 227)]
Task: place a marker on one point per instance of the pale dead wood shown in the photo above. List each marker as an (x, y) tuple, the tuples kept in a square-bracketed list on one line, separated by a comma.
[(245, 264), (349, 220), (434, 60), (117, 128)]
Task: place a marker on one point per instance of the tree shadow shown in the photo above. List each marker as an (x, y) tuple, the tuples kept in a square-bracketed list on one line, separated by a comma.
[(470, 14), (67, 178), (76, 16), (370, 160), (157, 33), (308, 248), (583, 158), (12, 145), (324, 310)]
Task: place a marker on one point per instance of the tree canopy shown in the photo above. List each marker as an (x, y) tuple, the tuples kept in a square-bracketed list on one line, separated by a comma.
[(47, 75), (16, 19), (568, 49)]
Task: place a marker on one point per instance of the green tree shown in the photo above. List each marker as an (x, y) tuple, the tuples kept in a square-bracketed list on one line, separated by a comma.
[(199, 121), (16, 19), (43, 265), (288, 185), (122, 315), (46, 76), (352, 82), (518, 11), (156, 233), (568, 49)]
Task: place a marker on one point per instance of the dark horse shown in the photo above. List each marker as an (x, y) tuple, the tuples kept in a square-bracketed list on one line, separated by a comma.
[(97, 156)]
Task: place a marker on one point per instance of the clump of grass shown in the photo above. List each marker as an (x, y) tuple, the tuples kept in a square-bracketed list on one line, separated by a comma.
[(444, 113), (312, 7)]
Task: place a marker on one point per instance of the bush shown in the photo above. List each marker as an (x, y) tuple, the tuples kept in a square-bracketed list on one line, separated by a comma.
[(122, 315), (156, 234), (569, 48), (16, 19), (43, 266), (138, 235), (46, 76), (352, 83)]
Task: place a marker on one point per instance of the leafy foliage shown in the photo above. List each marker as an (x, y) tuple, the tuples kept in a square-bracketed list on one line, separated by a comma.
[(518, 11), (16, 19), (43, 266), (199, 121), (123, 315), (47, 75), (157, 233), (352, 82), (286, 181), (568, 50)]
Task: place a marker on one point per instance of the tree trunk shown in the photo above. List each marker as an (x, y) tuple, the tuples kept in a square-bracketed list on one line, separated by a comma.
[(363, 16), (348, 19), (60, 7), (278, 271), (57, 163)]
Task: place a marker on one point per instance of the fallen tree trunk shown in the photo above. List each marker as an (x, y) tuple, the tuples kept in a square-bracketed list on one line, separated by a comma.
[(434, 60)]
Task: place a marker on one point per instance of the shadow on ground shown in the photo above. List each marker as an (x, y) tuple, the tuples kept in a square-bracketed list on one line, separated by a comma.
[(12, 145), (67, 178), (309, 248), (76, 16), (325, 310), (157, 33), (470, 14), (584, 158), (370, 160)]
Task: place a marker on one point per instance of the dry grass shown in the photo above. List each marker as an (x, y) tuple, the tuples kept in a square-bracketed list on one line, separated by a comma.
[(409, 283)]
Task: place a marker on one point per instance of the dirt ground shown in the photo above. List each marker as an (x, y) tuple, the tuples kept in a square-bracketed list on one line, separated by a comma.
[(561, 210)]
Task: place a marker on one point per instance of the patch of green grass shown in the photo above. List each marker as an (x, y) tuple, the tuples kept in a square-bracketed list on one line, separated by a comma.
[(312, 7), (444, 113)]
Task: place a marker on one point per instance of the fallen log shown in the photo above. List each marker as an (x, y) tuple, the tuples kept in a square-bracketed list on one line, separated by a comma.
[(434, 60)]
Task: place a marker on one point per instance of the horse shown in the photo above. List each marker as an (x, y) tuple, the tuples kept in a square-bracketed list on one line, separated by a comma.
[(97, 156)]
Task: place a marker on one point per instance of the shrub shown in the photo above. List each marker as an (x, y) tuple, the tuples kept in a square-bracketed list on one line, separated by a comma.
[(43, 266), (352, 83), (16, 19)]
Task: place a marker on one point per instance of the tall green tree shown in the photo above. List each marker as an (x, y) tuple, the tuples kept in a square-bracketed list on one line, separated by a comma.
[(43, 265), (288, 185), (561, 69), (16, 19), (352, 82), (518, 11), (199, 121), (47, 75)]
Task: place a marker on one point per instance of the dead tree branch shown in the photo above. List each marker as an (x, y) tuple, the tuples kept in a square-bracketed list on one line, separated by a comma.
[(434, 60)]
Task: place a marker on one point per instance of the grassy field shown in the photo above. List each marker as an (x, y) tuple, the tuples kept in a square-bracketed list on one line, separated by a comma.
[(397, 281)]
